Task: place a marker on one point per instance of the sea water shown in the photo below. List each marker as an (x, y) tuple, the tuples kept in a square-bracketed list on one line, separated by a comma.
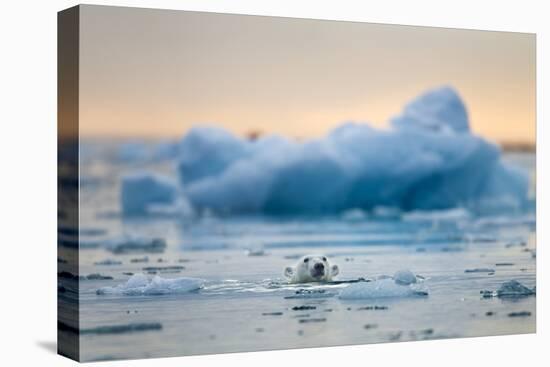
[(243, 302)]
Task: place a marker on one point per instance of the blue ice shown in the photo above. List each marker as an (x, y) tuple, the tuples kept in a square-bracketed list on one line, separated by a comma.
[(428, 159)]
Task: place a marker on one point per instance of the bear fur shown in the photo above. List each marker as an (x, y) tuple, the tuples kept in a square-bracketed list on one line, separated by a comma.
[(311, 268)]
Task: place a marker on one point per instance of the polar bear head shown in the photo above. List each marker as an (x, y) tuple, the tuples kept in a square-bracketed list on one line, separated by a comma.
[(311, 268)]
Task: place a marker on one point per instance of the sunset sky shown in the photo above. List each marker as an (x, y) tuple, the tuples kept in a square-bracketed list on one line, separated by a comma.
[(156, 73)]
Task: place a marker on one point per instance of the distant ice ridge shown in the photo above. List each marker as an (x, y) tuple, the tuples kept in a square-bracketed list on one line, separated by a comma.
[(139, 284), (427, 160)]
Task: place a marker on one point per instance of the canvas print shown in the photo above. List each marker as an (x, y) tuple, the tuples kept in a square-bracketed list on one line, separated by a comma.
[(233, 183)]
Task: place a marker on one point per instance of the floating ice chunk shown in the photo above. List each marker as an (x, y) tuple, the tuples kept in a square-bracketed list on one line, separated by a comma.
[(133, 244), (141, 190), (164, 269), (311, 293), (139, 285), (520, 314), (108, 262), (439, 109), (510, 289), (256, 251), (480, 270), (513, 288), (121, 329), (382, 288), (404, 277), (255, 248), (95, 276)]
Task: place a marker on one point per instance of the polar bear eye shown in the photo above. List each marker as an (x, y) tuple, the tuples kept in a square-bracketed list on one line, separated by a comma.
[(306, 259), (324, 259)]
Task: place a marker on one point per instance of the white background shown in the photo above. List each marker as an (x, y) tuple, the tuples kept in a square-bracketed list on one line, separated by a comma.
[(28, 181)]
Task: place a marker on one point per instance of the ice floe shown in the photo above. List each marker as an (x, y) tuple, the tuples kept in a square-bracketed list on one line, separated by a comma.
[(135, 244), (93, 276), (111, 329), (513, 288), (510, 289), (480, 270), (256, 251), (108, 262), (404, 277), (403, 284), (139, 284), (428, 160)]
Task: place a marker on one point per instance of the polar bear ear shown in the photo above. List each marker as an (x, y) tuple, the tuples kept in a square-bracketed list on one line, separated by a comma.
[(289, 272), (334, 270)]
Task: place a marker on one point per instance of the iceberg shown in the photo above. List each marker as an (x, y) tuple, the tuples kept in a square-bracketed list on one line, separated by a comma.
[(207, 151), (140, 285), (140, 191), (510, 289), (440, 110), (428, 159)]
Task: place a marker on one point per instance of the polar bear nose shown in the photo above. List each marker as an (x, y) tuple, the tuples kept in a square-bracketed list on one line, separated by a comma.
[(319, 267)]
